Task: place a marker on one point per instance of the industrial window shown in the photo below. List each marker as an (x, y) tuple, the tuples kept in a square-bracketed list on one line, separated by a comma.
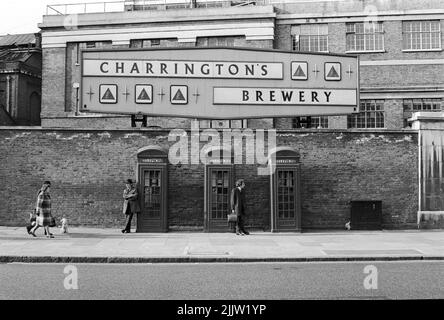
[(310, 122), (220, 41), (310, 37), (365, 36), (371, 115), (147, 43), (223, 124), (414, 105), (421, 35)]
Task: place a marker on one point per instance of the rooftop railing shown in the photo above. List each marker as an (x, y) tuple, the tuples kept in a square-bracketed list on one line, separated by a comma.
[(140, 5)]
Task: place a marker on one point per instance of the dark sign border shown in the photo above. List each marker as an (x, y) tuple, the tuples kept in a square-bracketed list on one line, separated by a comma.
[(145, 85), (171, 94), (100, 93)]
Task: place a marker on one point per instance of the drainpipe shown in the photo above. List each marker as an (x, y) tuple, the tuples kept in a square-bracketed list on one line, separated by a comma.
[(420, 171), (15, 102), (8, 94)]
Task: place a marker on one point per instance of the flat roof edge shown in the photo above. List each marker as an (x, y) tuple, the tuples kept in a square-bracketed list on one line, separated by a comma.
[(156, 16), (225, 48)]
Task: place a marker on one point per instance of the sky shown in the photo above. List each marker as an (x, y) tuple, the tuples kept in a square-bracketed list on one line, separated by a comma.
[(22, 16)]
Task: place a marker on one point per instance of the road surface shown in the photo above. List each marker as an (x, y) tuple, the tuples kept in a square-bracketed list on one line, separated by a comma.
[(220, 281)]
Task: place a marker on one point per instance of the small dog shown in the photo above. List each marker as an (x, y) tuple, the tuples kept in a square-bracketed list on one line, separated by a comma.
[(32, 221), (64, 227), (347, 226)]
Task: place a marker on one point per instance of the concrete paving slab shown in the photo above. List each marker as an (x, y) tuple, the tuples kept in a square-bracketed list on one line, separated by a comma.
[(110, 245)]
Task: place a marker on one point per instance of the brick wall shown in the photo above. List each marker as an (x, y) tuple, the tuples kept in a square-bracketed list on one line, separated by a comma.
[(393, 112), (283, 123), (336, 37), (282, 37), (340, 167), (53, 83), (400, 75), (88, 168)]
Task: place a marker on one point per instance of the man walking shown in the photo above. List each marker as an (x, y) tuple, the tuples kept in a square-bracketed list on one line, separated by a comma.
[(238, 206), (130, 204)]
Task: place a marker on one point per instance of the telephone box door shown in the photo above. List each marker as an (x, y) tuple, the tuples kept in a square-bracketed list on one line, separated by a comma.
[(287, 203), (286, 191), (218, 185), (153, 190)]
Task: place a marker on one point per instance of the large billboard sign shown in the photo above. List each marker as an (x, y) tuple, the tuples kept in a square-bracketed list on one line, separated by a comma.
[(218, 83)]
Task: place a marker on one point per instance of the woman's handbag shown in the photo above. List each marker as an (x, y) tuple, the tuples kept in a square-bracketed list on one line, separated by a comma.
[(33, 216), (232, 217)]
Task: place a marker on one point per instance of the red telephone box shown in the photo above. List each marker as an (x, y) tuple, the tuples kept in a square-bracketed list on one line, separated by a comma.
[(285, 190), (219, 172), (152, 178)]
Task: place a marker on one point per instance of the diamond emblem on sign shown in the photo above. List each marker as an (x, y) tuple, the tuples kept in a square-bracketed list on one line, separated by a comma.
[(332, 71), (144, 93), (179, 94), (299, 70), (108, 93)]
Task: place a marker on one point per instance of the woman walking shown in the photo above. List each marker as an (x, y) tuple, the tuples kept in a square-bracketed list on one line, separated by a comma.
[(43, 209)]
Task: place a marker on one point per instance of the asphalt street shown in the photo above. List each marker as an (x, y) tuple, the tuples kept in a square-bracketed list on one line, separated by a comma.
[(224, 281)]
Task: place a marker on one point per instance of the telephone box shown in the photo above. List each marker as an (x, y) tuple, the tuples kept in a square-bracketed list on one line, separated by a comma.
[(285, 190), (219, 171), (152, 168)]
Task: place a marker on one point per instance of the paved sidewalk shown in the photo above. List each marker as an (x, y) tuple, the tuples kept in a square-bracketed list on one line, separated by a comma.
[(111, 246)]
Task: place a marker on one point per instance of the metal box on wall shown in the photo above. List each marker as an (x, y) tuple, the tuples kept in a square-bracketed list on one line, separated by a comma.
[(366, 215)]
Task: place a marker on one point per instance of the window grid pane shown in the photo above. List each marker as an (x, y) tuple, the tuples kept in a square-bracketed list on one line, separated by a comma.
[(365, 36), (371, 115), (310, 37), (421, 35), (429, 104)]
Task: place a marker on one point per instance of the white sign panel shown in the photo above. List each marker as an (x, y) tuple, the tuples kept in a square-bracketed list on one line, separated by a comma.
[(183, 69), (218, 83), (284, 96)]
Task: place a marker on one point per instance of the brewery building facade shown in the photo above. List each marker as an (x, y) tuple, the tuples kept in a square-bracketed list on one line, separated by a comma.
[(351, 91)]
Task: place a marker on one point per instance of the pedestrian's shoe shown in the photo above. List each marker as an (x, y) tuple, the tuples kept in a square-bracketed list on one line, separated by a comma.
[(123, 231), (32, 234), (238, 233), (246, 232), (50, 236)]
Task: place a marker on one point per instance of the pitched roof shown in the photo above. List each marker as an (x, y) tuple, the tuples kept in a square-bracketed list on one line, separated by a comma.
[(8, 55), (17, 39)]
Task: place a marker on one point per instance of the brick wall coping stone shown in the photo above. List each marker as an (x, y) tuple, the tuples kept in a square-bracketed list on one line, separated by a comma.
[(278, 131)]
